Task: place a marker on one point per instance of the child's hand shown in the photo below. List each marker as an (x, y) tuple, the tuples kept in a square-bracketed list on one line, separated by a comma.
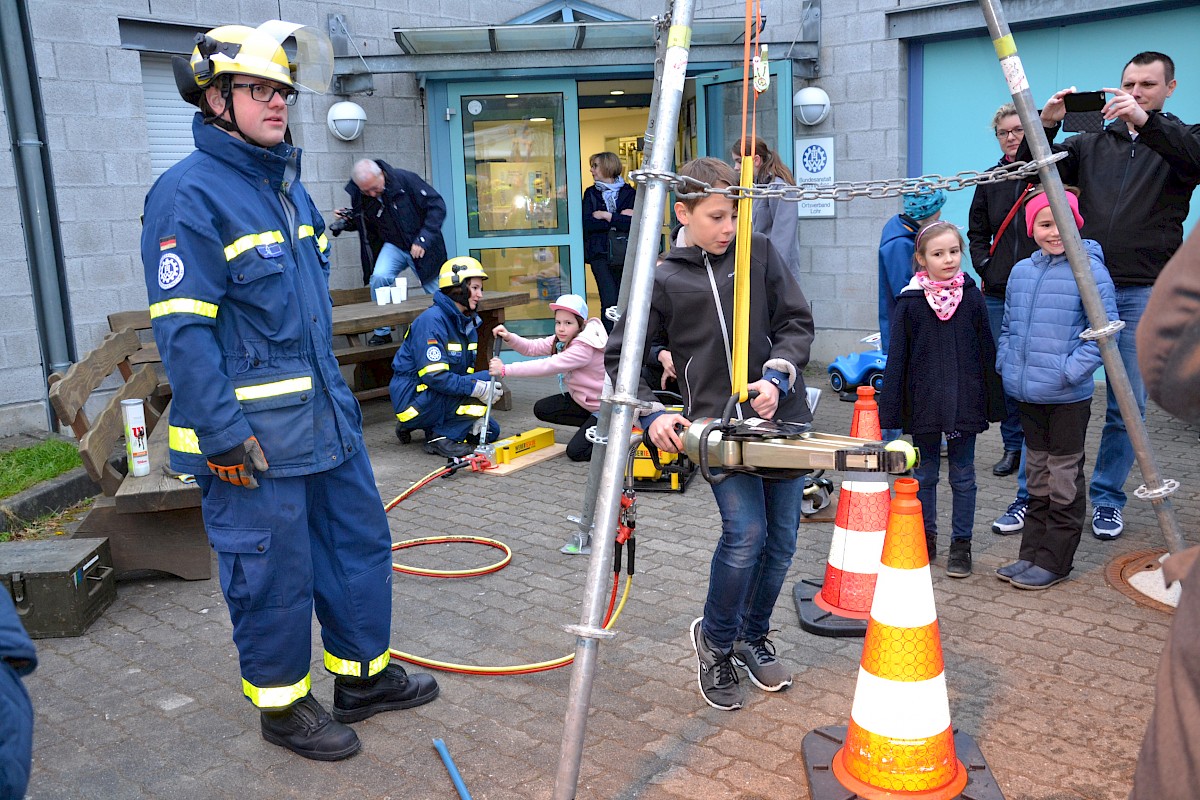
[(663, 434), (496, 367), (500, 331), (767, 402), (668, 364)]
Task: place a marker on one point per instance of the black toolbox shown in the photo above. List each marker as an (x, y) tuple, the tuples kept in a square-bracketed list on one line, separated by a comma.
[(59, 586)]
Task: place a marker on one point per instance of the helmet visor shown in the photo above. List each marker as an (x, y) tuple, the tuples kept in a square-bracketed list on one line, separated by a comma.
[(310, 53)]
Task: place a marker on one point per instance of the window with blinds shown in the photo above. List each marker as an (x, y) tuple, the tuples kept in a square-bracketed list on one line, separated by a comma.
[(168, 117)]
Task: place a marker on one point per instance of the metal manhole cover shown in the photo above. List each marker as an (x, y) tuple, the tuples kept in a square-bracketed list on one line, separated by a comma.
[(1136, 575)]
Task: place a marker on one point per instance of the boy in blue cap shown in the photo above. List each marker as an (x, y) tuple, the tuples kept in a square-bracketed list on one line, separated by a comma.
[(896, 247)]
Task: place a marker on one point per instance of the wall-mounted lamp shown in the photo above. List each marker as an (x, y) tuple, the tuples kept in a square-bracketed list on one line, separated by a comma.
[(346, 120), (811, 105)]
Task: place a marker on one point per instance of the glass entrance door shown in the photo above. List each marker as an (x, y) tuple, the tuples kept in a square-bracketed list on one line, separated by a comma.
[(719, 117), (515, 163)]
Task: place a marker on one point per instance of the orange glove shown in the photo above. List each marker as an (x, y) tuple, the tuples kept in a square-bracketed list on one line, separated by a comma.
[(237, 466)]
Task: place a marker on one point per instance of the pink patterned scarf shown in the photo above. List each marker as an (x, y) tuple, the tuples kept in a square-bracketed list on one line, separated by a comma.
[(943, 296)]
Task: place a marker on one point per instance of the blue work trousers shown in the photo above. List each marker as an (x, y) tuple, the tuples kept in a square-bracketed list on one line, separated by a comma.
[(759, 519), (293, 544)]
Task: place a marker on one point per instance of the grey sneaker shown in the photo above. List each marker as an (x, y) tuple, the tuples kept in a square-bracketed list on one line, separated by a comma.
[(765, 670), (715, 673), (1012, 520)]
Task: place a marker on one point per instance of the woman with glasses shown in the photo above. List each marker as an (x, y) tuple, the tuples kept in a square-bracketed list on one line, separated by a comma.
[(998, 240)]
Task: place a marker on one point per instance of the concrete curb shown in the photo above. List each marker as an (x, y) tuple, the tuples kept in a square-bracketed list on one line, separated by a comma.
[(46, 497)]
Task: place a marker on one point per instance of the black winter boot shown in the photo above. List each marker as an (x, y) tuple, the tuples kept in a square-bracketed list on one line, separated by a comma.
[(306, 729), (931, 546), (958, 563), (356, 699)]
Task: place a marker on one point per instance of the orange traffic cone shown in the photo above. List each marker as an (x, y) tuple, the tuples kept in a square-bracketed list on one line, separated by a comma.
[(865, 423), (843, 603)]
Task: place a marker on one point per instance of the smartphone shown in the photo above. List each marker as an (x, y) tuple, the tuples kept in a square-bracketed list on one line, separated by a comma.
[(1084, 112)]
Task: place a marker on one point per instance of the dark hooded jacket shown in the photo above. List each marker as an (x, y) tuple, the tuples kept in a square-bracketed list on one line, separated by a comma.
[(684, 312), (989, 208)]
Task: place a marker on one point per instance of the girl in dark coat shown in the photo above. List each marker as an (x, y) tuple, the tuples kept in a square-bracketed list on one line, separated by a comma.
[(941, 379)]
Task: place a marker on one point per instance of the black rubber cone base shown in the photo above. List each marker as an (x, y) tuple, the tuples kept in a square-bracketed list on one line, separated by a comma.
[(819, 747), (815, 619)]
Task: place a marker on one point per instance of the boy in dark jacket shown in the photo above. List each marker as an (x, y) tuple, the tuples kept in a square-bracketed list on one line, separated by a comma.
[(1048, 368), (692, 308)]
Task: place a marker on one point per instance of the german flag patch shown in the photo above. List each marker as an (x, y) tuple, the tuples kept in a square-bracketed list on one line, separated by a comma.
[(431, 341), (166, 243)]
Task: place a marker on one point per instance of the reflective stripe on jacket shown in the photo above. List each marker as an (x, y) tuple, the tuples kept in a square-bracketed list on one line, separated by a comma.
[(237, 275)]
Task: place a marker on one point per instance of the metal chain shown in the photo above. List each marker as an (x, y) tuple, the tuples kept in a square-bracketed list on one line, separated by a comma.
[(689, 188)]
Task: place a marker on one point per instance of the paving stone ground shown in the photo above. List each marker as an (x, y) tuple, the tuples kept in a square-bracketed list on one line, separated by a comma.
[(1055, 686)]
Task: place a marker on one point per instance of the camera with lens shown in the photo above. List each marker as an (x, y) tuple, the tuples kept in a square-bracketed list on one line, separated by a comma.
[(344, 222)]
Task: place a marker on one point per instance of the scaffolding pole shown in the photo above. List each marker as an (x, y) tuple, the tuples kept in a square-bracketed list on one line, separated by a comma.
[(669, 93), (1103, 331)]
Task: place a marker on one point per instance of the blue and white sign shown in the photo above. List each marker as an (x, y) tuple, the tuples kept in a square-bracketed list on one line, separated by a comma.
[(815, 166)]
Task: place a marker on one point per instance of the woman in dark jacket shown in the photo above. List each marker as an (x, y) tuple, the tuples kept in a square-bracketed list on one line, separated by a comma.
[(995, 248), (607, 205)]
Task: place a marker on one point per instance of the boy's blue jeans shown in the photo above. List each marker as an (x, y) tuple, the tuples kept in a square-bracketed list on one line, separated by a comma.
[(960, 453), (391, 262), (759, 519)]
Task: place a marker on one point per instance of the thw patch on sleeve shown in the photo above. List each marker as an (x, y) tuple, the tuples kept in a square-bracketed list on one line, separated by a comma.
[(433, 354), (170, 271)]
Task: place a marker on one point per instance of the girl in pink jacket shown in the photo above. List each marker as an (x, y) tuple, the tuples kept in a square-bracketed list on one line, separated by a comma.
[(576, 354)]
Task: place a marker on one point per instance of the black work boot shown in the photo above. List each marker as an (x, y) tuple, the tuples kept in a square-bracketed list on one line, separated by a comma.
[(306, 729), (958, 563), (447, 448), (355, 699)]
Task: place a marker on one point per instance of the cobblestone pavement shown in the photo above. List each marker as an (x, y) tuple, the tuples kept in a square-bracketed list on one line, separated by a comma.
[(1055, 686)]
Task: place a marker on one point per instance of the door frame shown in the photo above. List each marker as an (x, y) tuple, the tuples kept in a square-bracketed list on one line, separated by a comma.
[(781, 83)]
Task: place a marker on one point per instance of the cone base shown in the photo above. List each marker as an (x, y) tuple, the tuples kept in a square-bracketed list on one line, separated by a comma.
[(820, 750), (816, 618)]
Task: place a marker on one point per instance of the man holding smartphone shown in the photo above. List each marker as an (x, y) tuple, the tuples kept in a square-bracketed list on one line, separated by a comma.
[(1136, 178)]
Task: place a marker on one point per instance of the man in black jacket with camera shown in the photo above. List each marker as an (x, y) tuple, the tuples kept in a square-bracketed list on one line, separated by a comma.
[(399, 219)]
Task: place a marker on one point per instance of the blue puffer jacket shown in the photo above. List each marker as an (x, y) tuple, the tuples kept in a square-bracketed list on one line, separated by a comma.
[(238, 281), (1040, 357)]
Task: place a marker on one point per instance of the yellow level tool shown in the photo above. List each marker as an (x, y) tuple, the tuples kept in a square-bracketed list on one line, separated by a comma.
[(522, 444)]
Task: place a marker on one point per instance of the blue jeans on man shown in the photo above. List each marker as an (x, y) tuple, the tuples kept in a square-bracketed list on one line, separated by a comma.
[(1115, 457), (391, 262), (759, 519)]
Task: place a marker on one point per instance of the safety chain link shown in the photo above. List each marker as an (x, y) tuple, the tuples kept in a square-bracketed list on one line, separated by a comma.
[(689, 188)]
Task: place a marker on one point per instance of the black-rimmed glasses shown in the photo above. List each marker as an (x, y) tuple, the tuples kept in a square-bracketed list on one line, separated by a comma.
[(264, 93)]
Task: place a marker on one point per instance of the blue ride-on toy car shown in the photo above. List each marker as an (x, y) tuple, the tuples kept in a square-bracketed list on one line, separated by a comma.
[(864, 368)]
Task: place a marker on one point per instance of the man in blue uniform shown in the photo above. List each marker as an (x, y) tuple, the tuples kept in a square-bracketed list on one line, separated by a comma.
[(17, 658), (435, 385), (237, 277)]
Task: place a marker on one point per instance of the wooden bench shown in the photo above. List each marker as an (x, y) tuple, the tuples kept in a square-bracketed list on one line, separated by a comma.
[(152, 522)]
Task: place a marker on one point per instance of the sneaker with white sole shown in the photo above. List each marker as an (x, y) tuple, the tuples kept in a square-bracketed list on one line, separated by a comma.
[(1012, 520), (764, 669), (1107, 522), (717, 676)]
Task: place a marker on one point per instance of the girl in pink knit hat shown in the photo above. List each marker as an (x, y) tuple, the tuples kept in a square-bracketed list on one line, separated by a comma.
[(575, 352)]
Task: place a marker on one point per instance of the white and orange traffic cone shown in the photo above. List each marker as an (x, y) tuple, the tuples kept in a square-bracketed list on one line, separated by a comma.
[(840, 604), (900, 743), (865, 422)]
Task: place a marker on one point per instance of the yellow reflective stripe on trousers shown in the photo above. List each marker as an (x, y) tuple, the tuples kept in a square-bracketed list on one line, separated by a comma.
[(428, 368), (340, 666), (277, 696), (470, 411), (251, 240), (183, 305), (183, 440), (407, 414), (274, 389)]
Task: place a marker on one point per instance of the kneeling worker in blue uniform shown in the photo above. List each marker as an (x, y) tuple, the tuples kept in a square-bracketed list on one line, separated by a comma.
[(237, 265), (435, 385)]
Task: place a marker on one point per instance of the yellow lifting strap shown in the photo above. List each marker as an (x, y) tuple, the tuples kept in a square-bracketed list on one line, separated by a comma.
[(741, 257)]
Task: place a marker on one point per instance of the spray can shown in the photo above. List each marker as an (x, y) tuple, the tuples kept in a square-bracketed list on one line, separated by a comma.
[(135, 437)]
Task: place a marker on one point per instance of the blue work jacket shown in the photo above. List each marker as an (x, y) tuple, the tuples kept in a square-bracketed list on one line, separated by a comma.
[(437, 357), (237, 275)]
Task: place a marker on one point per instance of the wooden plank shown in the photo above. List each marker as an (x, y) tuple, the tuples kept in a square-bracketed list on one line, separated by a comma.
[(344, 297), (364, 317), (157, 491), (174, 542), (68, 395), (364, 395), (521, 462), (97, 444), (138, 320), (148, 354), (360, 353)]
